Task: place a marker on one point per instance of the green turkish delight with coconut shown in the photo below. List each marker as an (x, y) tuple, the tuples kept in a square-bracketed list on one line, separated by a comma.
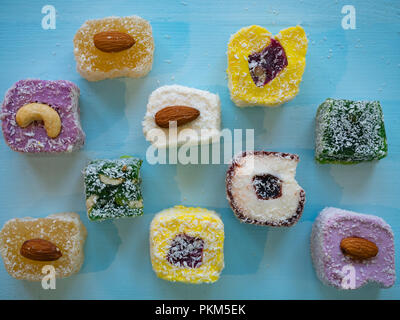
[(112, 188), (349, 131)]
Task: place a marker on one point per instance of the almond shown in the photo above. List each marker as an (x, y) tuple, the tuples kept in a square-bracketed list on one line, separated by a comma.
[(358, 248), (113, 41), (40, 250), (180, 114)]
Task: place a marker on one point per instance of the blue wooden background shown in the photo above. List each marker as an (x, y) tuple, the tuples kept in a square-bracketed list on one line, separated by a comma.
[(191, 42)]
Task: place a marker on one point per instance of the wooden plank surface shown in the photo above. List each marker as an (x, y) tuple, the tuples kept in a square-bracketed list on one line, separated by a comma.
[(191, 42)]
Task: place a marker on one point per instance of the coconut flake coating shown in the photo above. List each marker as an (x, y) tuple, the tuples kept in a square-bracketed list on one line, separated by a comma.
[(187, 245), (203, 130), (284, 85), (349, 131), (261, 188), (62, 96), (330, 227), (135, 62), (113, 188), (65, 230)]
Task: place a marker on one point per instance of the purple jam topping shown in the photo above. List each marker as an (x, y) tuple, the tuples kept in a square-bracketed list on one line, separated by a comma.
[(267, 186), (265, 65), (186, 251)]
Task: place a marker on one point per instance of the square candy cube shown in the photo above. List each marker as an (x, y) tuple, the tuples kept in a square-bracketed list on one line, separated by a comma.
[(42, 116), (171, 103), (113, 188), (349, 132), (100, 61), (261, 188), (28, 244), (342, 240), (186, 245), (264, 70)]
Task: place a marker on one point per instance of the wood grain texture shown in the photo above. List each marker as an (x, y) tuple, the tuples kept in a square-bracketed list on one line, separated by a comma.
[(190, 49)]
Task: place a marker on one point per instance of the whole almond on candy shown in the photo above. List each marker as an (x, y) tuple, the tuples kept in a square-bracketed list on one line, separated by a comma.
[(358, 248), (40, 250), (180, 114), (113, 41)]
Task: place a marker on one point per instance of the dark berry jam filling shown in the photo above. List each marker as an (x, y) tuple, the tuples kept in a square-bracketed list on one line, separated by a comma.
[(186, 251), (267, 186), (266, 64)]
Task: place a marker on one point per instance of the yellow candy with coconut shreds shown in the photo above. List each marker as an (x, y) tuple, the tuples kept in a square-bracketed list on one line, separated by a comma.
[(136, 61), (186, 245), (277, 86)]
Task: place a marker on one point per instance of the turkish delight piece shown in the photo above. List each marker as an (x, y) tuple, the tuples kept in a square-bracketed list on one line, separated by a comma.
[(349, 131), (261, 188), (264, 70), (113, 188), (114, 47), (186, 245), (29, 244), (200, 111), (42, 116), (350, 249)]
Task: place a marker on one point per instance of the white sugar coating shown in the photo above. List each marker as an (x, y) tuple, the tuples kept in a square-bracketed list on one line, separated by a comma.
[(202, 130), (65, 230), (135, 62), (349, 131), (242, 195)]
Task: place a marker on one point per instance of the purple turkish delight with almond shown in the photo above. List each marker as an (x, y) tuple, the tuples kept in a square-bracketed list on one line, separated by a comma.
[(351, 249), (42, 116)]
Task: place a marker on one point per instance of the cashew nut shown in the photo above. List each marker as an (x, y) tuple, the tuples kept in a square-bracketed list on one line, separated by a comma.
[(111, 181), (91, 201), (40, 112), (136, 204)]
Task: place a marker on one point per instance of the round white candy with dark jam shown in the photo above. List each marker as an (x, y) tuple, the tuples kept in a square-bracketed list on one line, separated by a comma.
[(261, 188)]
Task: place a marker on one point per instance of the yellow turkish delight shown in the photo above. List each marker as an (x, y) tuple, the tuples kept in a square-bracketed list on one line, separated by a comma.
[(28, 244), (186, 245), (114, 47), (264, 70)]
